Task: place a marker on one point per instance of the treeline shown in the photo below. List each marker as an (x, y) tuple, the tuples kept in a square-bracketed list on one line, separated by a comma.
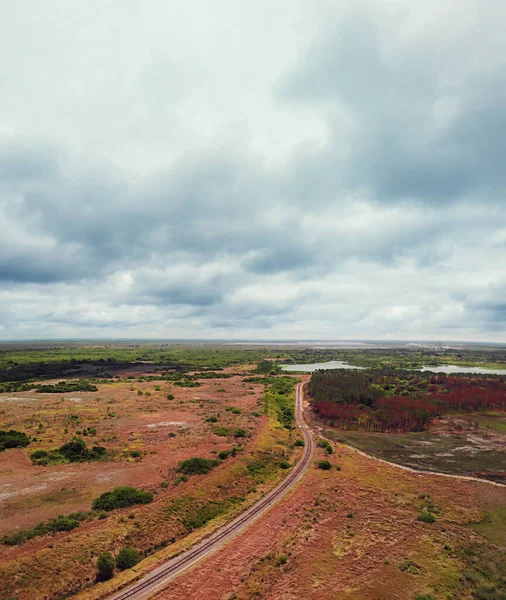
[(359, 401)]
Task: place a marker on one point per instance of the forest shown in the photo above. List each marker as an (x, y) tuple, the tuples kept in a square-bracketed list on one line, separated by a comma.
[(381, 401)]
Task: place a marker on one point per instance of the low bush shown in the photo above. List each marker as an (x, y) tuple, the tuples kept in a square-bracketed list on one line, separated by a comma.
[(197, 466), (299, 443), (324, 465), (122, 497), (13, 439), (426, 516)]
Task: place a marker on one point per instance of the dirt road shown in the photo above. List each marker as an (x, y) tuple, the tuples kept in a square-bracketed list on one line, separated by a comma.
[(159, 577)]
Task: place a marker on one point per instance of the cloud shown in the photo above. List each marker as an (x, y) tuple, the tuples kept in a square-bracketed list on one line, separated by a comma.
[(290, 171)]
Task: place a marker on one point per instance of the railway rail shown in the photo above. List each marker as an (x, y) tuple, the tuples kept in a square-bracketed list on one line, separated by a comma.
[(159, 577)]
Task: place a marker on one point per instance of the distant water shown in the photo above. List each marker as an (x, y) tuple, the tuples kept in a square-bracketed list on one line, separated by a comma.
[(331, 364), (455, 369)]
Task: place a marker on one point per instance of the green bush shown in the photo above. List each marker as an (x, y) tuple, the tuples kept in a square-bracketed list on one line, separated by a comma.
[(127, 558), (122, 497), (105, 566), (300, 443), (323, 443), (73, 451), (324, 465), (197, 466), (135, 453), (13, 439), (427, 517), (212, 420), (240, 433)]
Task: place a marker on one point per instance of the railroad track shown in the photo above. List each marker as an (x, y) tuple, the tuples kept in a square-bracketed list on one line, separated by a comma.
[(159, 577)]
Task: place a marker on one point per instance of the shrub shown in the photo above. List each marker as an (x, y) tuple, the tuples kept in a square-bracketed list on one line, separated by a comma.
[(13, 439), (197, 466), (212, 420), (135, 453), (426, 517), (121, 497), (170, 396), (164, 484), (105, 566), (281, 560), (73, 451), (240, 433), (324, 465), (127, 558), (299, 443)]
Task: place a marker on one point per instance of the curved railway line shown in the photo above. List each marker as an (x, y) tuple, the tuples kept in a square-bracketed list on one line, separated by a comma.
[(159, 577)]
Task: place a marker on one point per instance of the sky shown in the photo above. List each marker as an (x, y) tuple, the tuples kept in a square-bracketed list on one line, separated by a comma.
[(253, 170)]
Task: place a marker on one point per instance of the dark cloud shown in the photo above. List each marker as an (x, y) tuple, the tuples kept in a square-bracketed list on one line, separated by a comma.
[(400, 126)]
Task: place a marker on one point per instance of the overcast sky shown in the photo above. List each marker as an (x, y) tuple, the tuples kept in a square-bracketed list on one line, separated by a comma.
[(286, 169)]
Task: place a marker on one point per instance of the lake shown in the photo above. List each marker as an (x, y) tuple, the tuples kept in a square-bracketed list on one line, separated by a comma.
[(331, 364)]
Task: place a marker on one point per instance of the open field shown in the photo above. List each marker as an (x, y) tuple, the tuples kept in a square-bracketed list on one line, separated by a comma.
[(481, 452)]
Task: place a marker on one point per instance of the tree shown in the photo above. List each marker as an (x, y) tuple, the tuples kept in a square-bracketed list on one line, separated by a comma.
[(127, 558), (105, 565)]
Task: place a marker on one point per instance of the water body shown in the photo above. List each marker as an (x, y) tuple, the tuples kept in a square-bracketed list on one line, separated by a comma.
[(448, 369), (331, 364)]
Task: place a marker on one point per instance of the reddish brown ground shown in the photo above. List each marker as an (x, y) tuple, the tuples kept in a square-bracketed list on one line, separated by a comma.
[(345, 534), (30, 494)]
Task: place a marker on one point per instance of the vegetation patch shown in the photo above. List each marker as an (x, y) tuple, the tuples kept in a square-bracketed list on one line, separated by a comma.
[(122, 497), (13, 439), (61, 523), (279, 398), (73, 451), (197, 466), (64, 386)]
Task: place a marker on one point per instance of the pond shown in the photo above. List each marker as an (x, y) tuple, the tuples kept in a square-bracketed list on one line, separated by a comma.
[(331, 364), (455, 369)]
